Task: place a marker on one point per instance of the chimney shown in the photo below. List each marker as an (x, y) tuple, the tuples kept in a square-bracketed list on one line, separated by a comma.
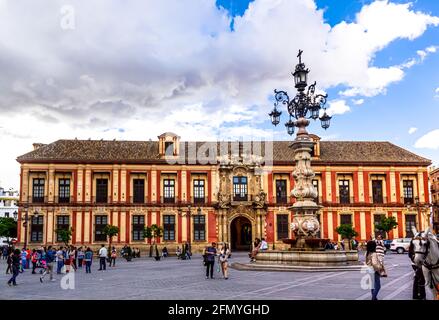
[(37, 145)]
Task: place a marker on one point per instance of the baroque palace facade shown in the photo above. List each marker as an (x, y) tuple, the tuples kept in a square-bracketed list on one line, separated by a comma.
[(212, 191)]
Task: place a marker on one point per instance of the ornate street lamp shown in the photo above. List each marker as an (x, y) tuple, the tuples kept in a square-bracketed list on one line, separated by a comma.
[(305, 105)]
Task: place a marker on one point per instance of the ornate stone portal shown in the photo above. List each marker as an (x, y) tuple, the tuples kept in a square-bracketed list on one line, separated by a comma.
[(253, 208)]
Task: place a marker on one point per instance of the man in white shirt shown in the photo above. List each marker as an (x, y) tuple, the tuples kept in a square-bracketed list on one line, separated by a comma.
[(264, 244), (103, 254)]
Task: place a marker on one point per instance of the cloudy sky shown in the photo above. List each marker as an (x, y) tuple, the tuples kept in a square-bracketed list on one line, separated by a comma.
[(206, 70)]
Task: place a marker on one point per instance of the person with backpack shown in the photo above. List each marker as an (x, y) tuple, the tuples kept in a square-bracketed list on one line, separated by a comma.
[(15, 267), (88, 258), (49, 257), (113, 257)]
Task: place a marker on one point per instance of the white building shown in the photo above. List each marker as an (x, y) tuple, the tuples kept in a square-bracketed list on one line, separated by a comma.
[(8, 205)]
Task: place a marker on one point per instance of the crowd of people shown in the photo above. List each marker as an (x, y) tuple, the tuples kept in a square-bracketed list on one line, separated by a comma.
[(48, 260)]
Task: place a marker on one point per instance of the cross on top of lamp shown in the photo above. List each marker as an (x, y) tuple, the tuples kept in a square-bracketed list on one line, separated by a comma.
[(303, 106)]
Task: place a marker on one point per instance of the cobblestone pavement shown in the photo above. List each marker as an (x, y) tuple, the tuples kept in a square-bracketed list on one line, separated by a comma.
[(171, 279)]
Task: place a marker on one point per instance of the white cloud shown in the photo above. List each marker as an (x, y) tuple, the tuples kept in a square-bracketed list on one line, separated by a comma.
[(436, 93), (358, 102), (431, 49), (429, 140), (152, 66), (412, 130), (338, 107)]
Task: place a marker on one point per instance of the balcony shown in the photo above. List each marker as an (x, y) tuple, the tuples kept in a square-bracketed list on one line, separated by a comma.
[(101, 199), (138, 199), (408, 200), (167, 200), (344, 200), (33, 199), (198, 200), (240, 197), (64, 199), (282, 200), (378, 200)]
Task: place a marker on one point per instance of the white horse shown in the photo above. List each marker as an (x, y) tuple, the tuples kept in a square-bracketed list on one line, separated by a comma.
[(427, 255)]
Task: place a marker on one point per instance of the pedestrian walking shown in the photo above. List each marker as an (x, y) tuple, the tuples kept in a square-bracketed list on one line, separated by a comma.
[(34, 259), (223, 258), (23, 259), (103, 254), (380, 250), (59, 260), (5, 253), (88, 257), (113, 257), (15, 267), (377, 268), (28, 256), (50, 257), (9, 263), (80, 257), (210, 253), (188, 250)]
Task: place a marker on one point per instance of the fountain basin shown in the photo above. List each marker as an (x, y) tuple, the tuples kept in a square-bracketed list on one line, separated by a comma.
[(307, 258)]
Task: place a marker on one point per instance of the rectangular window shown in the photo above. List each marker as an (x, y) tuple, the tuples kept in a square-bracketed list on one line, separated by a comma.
[(64, 190), (6, 214), (169, 148), (37, 229), (198, 191), (343, 189), (407, 188), (315, 184), (410, 221), (139, 191), (199, 228), (346, 219), (377, 191), (100, 223), (169, 191), (138, 226), (101, 190), (240, 189), (169, 227), (282, 226), (281, 191), (62, 223), (38, 190)]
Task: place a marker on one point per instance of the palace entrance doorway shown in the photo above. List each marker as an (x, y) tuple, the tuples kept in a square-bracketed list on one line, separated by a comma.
[(241, 234)]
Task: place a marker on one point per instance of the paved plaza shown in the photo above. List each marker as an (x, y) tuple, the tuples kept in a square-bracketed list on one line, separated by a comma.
[(170, 279)]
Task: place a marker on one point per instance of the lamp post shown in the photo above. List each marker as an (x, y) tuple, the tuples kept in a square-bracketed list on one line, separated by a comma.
[(301, 108), (418, 207)]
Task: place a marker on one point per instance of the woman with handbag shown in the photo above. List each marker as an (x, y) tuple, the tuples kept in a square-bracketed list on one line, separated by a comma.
[(223, 258), (376, 266)]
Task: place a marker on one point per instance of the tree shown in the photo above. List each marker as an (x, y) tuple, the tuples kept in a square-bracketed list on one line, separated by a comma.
[(65, 235), (8, 228), (347, 232), (110, 231), (153, 232), (386, 224)]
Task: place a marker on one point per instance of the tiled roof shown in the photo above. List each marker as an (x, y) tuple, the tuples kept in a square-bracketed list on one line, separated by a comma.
[(104, 151)]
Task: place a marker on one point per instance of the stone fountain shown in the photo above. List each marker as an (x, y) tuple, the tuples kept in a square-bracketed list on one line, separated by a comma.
[(307, 251)]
